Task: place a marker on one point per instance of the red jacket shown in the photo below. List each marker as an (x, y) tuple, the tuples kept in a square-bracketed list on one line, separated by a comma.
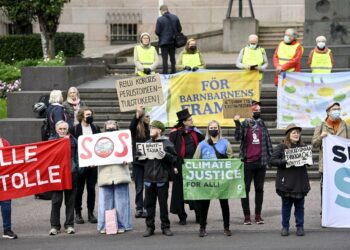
[(5, 142), (293, 63)]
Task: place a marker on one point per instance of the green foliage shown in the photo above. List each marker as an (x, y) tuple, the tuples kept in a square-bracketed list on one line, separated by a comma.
[(21, 47), (9, 73), (3, 108)]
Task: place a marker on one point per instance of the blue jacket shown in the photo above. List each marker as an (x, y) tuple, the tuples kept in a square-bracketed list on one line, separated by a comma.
[(207, 151), (55, 113), (164, 29)]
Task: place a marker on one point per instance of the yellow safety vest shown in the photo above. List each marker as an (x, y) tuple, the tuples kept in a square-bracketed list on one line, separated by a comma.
[(286, 52), (191, 60), (145, 56), (253, 57), (321, 63)]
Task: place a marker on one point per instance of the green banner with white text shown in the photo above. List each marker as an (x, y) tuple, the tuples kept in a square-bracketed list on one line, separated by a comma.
[(205, 179)]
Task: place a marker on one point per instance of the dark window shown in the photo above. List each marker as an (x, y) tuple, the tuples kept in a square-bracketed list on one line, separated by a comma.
[(123, 33)]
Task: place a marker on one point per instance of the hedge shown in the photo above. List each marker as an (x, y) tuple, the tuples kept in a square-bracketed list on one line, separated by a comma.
[(21, 47)]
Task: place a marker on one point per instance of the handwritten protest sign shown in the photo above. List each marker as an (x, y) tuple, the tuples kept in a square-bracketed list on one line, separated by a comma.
[(237, 106), (149, 150), (105, 148), (298, 156), (145, 91), (213, 179)]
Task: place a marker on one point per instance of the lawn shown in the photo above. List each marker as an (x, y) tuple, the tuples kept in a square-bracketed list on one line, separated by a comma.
[(3, 108)]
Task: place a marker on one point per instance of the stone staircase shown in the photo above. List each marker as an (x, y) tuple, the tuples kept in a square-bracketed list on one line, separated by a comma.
[(104, 103), (271, 34)]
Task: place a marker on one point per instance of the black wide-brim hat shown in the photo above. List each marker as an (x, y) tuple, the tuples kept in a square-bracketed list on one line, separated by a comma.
[(183, 115)]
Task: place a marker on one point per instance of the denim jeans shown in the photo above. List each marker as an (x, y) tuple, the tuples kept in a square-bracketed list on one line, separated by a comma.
[(287, 204), (115, 196), (6, 214)]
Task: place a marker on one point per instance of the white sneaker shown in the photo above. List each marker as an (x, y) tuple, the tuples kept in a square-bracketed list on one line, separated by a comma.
[(54, 231), (70, 230), (103, 231), (121, 230)]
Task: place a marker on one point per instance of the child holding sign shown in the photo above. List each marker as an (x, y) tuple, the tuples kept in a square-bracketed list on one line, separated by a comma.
[(292, 183)]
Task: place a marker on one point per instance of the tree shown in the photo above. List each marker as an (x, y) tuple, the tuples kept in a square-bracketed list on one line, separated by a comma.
[(46, 12), (19, 12)]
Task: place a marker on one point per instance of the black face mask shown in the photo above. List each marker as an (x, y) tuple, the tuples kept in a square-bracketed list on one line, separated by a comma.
[(193, 48), (110, 129), (256, 115), (89, 119), (213, 133)]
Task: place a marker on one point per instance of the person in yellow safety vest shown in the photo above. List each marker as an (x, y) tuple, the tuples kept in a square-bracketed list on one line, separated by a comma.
[(145, 56), (321, 59), (288, 54), (190, 58), (252, 57)]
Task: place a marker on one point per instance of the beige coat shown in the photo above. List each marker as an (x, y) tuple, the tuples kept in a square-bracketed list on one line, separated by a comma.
[(113, 174), (343, 131)]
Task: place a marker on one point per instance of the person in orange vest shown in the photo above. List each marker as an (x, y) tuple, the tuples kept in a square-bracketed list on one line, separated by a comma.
[(321, 59), (145, 56), (190, 58), (253, 57), (288, 54)]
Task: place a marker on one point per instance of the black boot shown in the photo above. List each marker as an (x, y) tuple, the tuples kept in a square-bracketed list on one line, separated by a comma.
[(91, 217), (78, 218)]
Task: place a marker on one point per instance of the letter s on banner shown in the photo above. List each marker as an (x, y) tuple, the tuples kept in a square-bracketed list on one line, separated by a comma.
[(343, 186), (121, 137), (88, 154)]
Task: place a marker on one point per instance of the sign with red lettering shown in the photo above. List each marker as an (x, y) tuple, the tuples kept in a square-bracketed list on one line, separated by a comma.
[(35, 168), (105, 148)]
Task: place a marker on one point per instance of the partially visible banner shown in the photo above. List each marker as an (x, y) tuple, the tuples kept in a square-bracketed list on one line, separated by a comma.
[(302, 98), (213, 179), (35, 168), (149, 150), (105, 148), (203, 93), (336, 182)]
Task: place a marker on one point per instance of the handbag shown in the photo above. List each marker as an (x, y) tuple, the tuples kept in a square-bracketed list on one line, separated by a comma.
[(180, 39)]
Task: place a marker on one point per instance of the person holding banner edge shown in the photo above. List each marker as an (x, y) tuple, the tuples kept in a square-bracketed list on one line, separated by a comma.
[(292, 183), (185, 137), (255, 152), (156, 179), (6, 207), (140, 132), (145, 56), (332, 125), (213, 147), (113, 182), (190, 59), (62, 128), (86, 175)]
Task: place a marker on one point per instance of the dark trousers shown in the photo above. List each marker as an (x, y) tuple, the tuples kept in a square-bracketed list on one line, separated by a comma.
[(6, 214), (151, 194), (287, 204), (89, 176), (254, 171), (138, 172), (168, 50), (56, 201), (321, 188), (203, 208)]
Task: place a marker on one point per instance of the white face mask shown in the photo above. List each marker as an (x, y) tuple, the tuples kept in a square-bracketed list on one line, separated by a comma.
[(253, 46), (321, 45), (286, 39)]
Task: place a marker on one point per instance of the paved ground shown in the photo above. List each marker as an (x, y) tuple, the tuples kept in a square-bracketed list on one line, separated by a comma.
[(31, 223)]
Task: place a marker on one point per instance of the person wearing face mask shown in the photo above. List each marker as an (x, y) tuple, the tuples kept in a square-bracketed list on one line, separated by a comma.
[(252, 57), (292, 183), (321, 59), (288, 54), (332, 125), (113, 183), (190, 59), (86, 175), (145, 56), (255, 152), (156, 179), (213, 147), (185, 137)]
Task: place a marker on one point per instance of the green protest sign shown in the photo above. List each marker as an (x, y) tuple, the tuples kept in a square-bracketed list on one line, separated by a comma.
[(205, 179)]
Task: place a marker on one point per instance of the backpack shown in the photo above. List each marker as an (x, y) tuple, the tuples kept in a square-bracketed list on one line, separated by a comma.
[(40, 107)]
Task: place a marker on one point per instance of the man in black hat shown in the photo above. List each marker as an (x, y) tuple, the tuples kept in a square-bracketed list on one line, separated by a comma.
[(186, 138), (255, 152)]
